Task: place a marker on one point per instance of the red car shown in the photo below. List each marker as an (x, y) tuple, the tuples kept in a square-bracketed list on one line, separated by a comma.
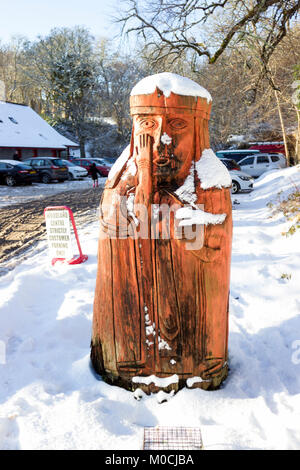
[(87, 162)]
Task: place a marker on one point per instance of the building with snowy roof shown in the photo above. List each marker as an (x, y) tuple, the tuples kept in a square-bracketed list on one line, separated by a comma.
[(23, 131)]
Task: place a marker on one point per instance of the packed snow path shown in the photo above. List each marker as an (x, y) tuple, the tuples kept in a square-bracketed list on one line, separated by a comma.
[(37, 191), (49, 399)]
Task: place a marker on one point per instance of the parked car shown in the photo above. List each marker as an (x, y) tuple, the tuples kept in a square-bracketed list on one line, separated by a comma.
[(49, 169), (236, 155), (13, 172), (75, 171), (230, 164), (106, 161), (240, 180), (87, 162), (256, 165)]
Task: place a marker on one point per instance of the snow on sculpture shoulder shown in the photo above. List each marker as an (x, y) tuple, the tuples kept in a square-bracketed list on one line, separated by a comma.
[(187, 192), (170, 83), (211, 171)]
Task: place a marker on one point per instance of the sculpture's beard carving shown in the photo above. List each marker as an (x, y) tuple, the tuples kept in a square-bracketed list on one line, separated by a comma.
[(165, 162)]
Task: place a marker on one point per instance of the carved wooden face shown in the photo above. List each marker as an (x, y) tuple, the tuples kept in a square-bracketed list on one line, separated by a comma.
[(172, 142)]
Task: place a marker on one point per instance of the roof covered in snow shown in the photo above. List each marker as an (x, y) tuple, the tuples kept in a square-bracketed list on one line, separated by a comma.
[(22, 127), (170, 82)]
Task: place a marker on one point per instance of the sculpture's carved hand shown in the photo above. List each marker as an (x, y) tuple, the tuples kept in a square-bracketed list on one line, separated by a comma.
[(143, 159), (141, 203), (144, 151)]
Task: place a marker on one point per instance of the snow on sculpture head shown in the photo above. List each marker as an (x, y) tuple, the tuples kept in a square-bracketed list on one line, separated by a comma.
[(174, 111), (170, 83)]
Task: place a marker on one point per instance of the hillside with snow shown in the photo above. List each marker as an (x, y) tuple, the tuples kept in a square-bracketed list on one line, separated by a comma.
[(50, 399)]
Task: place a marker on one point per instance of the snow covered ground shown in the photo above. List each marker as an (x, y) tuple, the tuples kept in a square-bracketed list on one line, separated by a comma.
[(21, 194), (49, 399)]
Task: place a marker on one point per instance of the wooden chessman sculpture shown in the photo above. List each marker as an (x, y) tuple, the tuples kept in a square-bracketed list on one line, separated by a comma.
[(161, 302)]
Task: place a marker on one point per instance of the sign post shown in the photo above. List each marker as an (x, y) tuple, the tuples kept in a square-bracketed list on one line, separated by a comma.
[(59, 235)]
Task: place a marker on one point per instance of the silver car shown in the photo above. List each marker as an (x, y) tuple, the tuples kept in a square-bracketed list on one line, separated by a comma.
[(256, 165), (75, 172)]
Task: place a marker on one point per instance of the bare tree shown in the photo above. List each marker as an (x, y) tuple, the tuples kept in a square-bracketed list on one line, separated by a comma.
[(271, 84), (117, 76), (175, 27), (63, 64), (296, 103), (12, 70)]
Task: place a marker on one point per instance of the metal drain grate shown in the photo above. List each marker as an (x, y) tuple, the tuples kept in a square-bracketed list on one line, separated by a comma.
[(172, 438)]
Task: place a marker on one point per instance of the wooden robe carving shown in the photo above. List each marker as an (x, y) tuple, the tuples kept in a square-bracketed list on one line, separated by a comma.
[(161, 306)]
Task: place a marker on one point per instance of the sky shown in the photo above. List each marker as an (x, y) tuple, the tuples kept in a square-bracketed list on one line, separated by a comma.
[(31, 18)]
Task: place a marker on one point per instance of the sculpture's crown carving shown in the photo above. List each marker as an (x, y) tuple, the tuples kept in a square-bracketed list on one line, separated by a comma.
[(158, 103)]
